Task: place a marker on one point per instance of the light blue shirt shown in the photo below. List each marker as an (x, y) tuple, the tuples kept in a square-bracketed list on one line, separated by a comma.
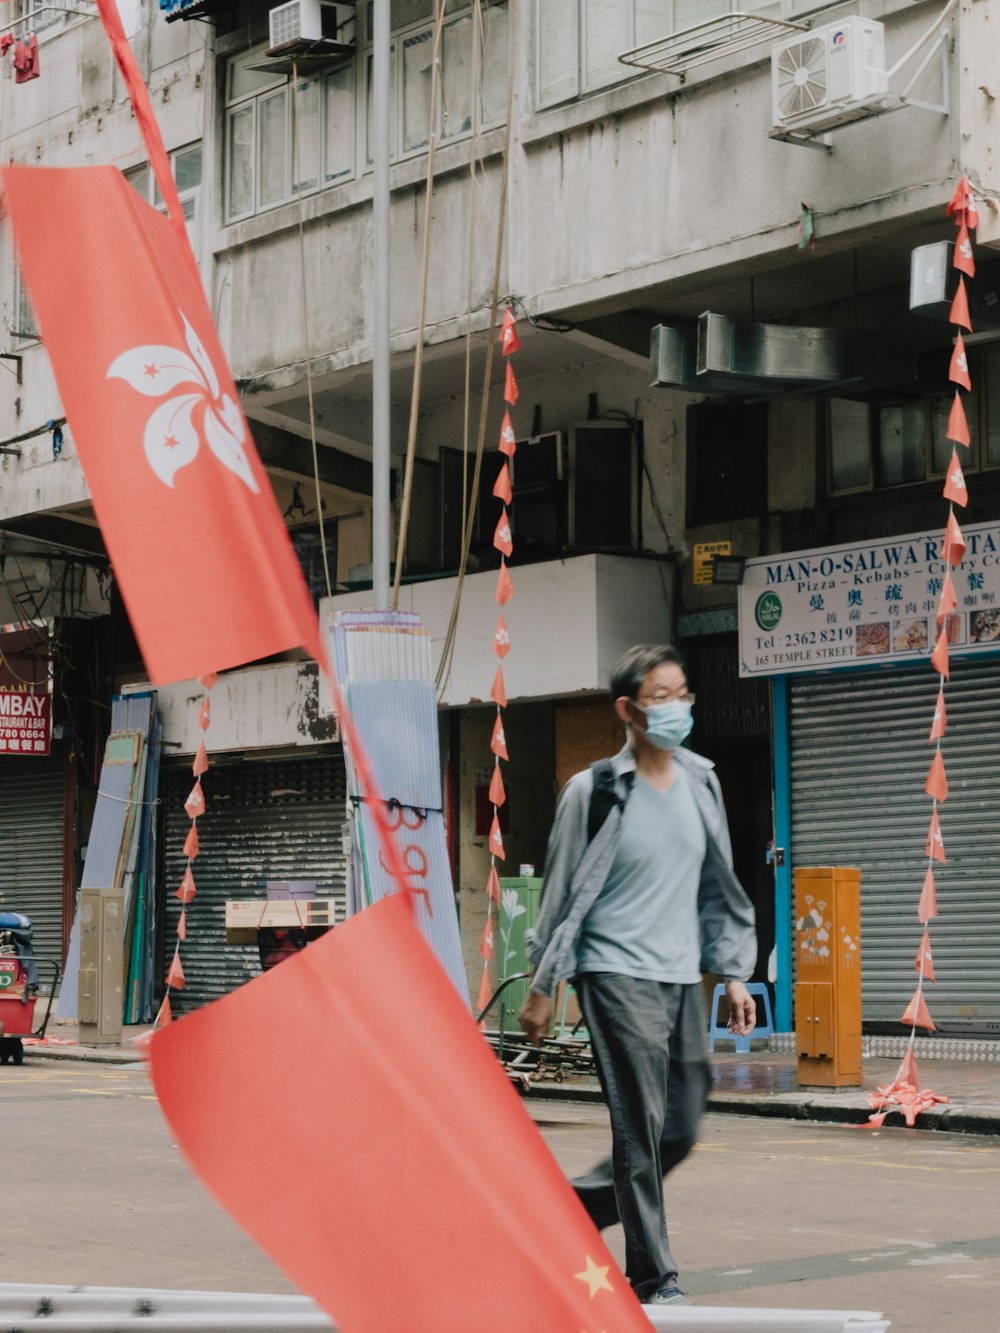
[(644, 922)]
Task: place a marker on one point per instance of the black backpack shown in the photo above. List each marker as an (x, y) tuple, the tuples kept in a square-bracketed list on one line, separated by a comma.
[(604, 796)]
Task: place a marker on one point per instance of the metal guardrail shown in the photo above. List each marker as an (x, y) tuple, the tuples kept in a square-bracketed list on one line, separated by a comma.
[(25, 1306)]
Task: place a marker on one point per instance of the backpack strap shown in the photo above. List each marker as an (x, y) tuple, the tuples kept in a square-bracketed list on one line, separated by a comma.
[(604, 795)]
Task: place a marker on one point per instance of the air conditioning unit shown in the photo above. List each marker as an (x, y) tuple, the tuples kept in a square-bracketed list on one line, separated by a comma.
[(301, 23), (829, 77)]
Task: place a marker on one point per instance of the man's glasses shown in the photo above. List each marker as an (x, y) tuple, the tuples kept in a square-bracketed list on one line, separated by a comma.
[(684, 698)]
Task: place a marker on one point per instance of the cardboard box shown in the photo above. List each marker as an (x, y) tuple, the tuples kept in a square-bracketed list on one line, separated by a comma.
[(245, 917)]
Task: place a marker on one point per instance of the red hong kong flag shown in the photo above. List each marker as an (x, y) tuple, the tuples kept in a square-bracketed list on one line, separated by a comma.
[(398, 1167), (195, 535)]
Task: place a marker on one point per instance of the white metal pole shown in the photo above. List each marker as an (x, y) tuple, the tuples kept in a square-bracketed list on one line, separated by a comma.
[(380, 320)]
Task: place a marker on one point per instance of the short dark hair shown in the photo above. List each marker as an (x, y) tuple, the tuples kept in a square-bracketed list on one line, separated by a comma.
[(635, 666)]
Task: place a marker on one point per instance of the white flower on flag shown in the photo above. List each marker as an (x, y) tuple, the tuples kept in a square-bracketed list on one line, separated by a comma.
[(962, 361), (176, 428)]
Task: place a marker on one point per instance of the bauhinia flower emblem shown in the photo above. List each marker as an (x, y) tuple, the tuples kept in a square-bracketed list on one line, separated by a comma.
[(176, 428)]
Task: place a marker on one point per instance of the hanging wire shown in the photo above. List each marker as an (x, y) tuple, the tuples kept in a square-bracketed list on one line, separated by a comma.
[(418, 359), (305, 328), (448, 648)]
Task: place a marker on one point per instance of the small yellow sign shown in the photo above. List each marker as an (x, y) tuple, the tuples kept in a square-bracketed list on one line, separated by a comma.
[(701, 570)]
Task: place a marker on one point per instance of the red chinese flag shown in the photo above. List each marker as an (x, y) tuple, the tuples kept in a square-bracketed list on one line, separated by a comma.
[(939, 657), (958, 427), (505, 588), (499, 692), (501, 487), (414, 1170), (498, 741), (928, 899), (947, 601), (501, 537), (925, 962), (963, 259), (507, 445), (917, 1014), (937, 784), (954, 483), (510, 391), (959, 313), (509, 341), (501, 639), (497, 793), (496, 840), (934, 847), (493, 885), (940, 723), (958, 370), (954, 542), (195, 535)]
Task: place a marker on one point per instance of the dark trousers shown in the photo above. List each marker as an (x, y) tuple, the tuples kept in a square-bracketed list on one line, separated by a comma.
[(650, 1048)]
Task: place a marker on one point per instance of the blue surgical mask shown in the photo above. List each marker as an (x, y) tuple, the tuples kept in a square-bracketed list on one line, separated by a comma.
[(669, 724)]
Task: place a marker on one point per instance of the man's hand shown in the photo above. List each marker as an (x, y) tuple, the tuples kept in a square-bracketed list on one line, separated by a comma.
[(536, 1016), (742, 1009)]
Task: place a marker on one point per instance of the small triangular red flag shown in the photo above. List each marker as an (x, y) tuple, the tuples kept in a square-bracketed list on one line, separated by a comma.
[(505, 588), (508, 444), (502, 539), (501, 639), (195, 803), (959, 313), (917, 1014), (496, 840), (940, 723), (958, 370), (509, 341), (925, 961), (191, 845), (499, 693), (510, 392), (939, 657), (908, 1070), (493, 886), (175, 973), (486, 939), (958, 427), (502, 487), (934, 847), (954, 542), (955, 488), (963, 259), (209, 680), (200, 764), (948, 600), (485, 991), (182, 928), (205, 713), (498, 742), (937, 783), (963, 204), (927, 909), (497, 793), (186, 890)]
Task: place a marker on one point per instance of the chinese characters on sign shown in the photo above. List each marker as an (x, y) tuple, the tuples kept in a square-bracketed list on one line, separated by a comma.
[(806, 610), (25, 701)]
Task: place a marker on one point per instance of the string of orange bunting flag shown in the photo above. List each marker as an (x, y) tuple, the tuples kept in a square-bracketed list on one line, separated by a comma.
[(905, 1092), (503, 542)]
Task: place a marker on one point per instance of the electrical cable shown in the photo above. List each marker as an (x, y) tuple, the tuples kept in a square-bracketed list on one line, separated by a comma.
[(418, 358)]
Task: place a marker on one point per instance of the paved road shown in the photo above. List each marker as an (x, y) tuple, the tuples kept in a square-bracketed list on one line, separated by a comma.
[(765, 1212)]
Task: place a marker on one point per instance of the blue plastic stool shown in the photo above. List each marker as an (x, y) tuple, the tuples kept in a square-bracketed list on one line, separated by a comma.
[(717, 1029)]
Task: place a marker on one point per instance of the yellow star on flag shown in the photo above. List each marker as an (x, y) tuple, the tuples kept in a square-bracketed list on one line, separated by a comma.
[(595, 1277)]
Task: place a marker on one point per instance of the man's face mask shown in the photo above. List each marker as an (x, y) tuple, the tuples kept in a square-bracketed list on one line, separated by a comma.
[(669, 724)]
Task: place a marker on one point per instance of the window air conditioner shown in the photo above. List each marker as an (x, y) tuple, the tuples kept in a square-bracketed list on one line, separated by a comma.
[(829, 77), (302, 22)]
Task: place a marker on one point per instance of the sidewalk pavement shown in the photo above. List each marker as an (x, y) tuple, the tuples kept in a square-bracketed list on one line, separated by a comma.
[(762, 1083)]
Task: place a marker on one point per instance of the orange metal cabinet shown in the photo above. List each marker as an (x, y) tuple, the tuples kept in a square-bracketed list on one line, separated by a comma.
[(828, 976)]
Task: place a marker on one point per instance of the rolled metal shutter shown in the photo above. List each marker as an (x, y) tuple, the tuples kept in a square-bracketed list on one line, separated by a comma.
[(32, 824), (264, 819), (859, 761)]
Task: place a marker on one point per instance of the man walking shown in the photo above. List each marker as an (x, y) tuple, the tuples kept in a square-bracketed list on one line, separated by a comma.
[(634, 912)]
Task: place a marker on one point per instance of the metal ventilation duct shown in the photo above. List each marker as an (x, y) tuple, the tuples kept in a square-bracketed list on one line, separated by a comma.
[(723, 355)]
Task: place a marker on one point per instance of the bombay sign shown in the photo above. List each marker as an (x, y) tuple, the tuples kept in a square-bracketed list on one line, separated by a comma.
[(866, 603)]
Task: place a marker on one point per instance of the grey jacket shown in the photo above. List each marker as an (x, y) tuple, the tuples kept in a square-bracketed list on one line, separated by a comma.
[(575, 873)]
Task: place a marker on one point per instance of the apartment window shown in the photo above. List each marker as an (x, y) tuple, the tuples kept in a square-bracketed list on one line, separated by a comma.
[(25, 326), (185, 163), (901, 443), (578, 42)]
